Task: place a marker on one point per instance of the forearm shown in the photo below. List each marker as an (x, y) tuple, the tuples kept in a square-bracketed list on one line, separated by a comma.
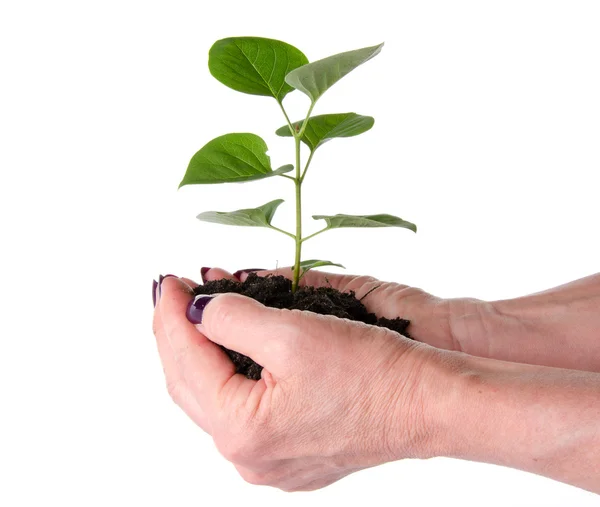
[(559, 327), (538, 419)]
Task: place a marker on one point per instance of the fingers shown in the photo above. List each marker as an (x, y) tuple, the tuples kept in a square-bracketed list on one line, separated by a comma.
[(189, 281), (176, 384), (361, 285), (210, 274), (204, 366), (384, 299)]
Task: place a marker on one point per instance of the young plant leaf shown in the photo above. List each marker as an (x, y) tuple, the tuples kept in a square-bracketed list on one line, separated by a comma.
[(339, 221), (315, 78), (315, 263), (231, 158), (322, 128), (253, 217), (255, 65)]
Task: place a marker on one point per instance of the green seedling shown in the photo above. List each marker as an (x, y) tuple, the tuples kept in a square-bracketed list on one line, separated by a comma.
[(272, 68)]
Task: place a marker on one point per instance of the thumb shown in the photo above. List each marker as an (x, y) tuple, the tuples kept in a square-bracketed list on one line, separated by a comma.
[(244, 325), (279, 340)]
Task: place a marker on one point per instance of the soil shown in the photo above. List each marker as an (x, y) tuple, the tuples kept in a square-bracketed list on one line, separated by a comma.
[(276, 291)]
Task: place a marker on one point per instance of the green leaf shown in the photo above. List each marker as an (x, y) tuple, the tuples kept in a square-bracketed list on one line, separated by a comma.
[(253, 217), (315, 78), (339, 221), (255, 65), (315, 263), (322, 128), (231, 158)]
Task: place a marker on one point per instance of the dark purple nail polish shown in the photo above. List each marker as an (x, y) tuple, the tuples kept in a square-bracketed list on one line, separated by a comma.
[(203, 272), (196, 308), (239, 273), (154, 287)]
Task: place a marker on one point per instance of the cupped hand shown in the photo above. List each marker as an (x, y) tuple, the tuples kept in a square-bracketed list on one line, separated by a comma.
[(335, 396), (460, 324)]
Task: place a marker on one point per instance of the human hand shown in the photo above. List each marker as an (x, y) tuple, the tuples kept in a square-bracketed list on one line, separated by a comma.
[(335, 396), (557, 327), (460, 324)]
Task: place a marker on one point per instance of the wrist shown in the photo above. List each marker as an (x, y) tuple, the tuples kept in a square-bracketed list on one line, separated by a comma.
[(426, 405), (472, 326), (446, 392), (458, 409)]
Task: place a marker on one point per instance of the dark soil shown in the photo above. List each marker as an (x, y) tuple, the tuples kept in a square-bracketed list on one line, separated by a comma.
[(276, 291)]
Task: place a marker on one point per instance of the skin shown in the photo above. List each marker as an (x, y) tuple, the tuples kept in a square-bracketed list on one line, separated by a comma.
[(312, 420)]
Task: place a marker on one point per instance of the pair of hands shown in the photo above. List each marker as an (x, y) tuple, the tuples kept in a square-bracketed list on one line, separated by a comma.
[(335, 396)]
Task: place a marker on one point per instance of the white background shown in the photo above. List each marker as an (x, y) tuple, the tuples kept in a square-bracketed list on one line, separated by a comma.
[(486, 136)]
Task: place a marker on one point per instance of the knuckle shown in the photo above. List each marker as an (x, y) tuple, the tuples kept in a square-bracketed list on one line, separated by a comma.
[(238, 446), (292, 326), (293, 334), (285, 329), (254, 478), (236, 451), (222, 313), (269, 475)]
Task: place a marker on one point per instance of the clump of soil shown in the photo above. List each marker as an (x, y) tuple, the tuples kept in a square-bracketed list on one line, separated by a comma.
[(276, 291)]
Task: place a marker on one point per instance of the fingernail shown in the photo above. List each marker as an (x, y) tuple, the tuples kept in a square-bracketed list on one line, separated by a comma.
[(203, 272), (196, 308), (154, 287), (157, 287), (239, 273)]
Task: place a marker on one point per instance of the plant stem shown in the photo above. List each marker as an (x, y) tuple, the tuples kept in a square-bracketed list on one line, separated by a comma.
[(298, 238), (298, 184)]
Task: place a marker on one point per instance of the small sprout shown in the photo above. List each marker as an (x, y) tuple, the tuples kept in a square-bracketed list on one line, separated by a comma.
[(240, 157)]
